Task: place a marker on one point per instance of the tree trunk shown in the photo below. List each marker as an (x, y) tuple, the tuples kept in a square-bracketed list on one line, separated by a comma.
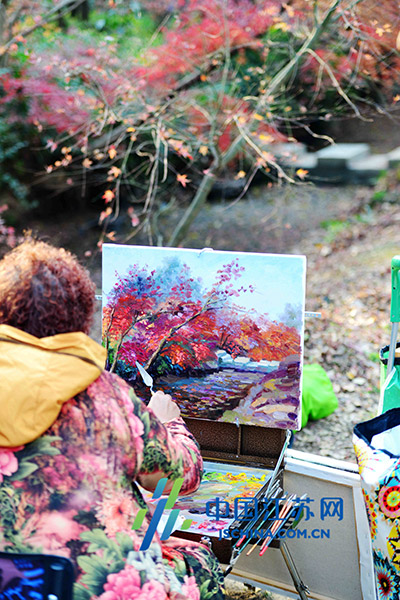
[(121, 339), (171, 332), (207, 182)]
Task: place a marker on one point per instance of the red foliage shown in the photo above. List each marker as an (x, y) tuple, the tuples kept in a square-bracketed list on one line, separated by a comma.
[(368, 36), (152, 315), (49, 105), (206, 26), (44, 86)]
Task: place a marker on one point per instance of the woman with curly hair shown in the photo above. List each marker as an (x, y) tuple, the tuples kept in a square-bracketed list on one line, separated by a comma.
[(74, 440)]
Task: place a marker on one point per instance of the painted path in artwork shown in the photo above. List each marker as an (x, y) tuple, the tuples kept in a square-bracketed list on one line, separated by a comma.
[(208, 397), (231, 395), (274, 402)]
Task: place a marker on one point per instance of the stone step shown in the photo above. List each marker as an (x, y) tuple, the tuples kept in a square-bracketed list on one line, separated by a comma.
[(338, 156), (288, 152), (394, 158), (307, 161), (372, 164)]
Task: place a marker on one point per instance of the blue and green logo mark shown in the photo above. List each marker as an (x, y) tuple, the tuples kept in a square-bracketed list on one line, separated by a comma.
[(163, 504)]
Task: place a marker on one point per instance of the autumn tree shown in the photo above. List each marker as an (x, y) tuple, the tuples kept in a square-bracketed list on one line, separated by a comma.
[(19, 19), (211, 89), (167, 320), (144, 300)]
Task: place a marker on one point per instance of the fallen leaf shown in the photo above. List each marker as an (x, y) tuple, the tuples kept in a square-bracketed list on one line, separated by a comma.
[(114, 171), (112, 153), (104, 214), (301, 173), (108, 196), (183, 179)]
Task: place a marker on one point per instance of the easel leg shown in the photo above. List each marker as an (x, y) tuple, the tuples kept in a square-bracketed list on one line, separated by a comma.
[(301, 588)]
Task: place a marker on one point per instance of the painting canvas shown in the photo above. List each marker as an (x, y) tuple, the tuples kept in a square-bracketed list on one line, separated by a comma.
[(222, 332), (220, 484)]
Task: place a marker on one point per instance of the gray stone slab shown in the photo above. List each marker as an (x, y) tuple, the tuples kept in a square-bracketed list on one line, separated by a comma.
[(394, 158), (338, 155), (373, 164), (288, 151), (306, 161)]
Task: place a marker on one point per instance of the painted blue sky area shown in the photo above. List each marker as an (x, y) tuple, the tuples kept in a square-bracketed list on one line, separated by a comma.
[(278, 279)]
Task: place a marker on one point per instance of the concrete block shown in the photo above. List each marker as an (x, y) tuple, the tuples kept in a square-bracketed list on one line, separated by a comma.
[(338, 156), (394, 158), (371, 165), (288, 152), (306, 161)]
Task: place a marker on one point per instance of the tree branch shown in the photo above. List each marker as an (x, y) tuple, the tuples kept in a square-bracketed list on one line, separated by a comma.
[(279, 79), (54, 13)]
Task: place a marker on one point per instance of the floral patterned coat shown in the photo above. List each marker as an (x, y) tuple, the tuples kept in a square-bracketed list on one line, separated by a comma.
[(73, 492)]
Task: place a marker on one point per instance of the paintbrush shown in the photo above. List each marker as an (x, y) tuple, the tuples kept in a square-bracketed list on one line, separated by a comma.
[(260, 518), (147, 379), (277, 520), (238, 551), (256, 519), (273, 481), (279, 523), (285, 524), (277, 529), (259, 522), (259, 496)]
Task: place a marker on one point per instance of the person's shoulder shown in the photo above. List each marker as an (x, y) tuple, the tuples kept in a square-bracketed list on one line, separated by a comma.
[(109, 383)]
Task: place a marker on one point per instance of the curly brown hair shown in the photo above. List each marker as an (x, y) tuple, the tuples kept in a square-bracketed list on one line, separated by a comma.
[(44, 290)]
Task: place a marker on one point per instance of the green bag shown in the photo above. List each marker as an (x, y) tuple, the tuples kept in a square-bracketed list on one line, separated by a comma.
[(390, 375), (318, 398), (390, 393)]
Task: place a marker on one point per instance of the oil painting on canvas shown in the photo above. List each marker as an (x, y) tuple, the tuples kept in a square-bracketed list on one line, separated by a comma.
[(222, 332)]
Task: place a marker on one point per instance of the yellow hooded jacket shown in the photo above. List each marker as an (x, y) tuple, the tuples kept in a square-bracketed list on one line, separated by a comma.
[(37, 375)]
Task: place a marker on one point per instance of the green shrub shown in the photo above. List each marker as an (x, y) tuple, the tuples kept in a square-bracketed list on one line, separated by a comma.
[(11, 162)]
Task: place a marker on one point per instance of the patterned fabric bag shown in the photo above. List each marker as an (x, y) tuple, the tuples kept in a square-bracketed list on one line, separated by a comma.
[(377, 447)]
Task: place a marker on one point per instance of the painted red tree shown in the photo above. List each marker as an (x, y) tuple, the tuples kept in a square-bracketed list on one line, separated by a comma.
[(166, 319)]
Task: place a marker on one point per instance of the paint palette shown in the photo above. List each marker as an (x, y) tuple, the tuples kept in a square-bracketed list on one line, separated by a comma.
[(211, 507)]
